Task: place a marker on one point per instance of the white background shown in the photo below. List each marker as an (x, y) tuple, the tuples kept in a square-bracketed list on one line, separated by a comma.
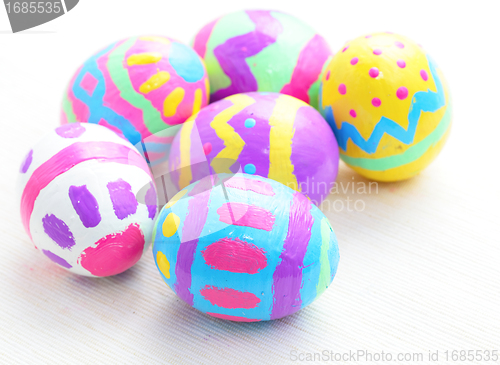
[(419, 268)]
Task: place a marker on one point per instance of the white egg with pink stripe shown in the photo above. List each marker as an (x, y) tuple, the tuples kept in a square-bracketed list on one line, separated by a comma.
[(78, 190)]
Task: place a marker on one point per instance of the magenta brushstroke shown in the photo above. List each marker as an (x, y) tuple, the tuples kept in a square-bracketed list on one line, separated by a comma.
[(240, 214), (309, 66), (242, 183), (229, 298), (235, 255)]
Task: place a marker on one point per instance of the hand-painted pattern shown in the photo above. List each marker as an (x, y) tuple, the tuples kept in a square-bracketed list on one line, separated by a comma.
[(265, 134), (259, 50), (388, 106), (78, 203), (139, 87), (247, 272)]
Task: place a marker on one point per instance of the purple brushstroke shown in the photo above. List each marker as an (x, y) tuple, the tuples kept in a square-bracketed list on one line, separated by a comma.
[(287, 278), (150, 200), (193, 225), (257, 144), (85, 205), (315, 164), (232, 54), (27, 162), (71, 130), (122, 197), (58, 260), (58, 231)]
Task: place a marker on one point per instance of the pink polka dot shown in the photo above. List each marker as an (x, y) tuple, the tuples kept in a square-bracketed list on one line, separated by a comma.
[(376, 102), (345, 48), (402, 93), (207, 148), (424, 75), (352, 112), (399, 44), (327, 77), (368, 36), (354, 61), (373, 72), (377, 52), (401, 63), (342, 89)]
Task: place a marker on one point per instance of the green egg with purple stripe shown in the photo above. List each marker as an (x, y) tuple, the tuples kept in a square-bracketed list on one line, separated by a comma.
[(80, 204), (261, 50), (244, 248), (140, 87)]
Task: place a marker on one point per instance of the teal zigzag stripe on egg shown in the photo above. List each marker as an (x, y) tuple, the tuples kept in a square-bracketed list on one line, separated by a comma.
[(411, 154), (427, 101)]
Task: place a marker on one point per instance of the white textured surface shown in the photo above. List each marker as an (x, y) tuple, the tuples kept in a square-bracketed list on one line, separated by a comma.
[(419, 268)]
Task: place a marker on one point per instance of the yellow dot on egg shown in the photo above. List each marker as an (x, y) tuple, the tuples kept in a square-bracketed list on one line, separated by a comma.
[(170, 224), (163, 264)]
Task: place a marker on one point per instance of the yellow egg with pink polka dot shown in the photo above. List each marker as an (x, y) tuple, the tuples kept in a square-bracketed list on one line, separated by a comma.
[(388, 105)]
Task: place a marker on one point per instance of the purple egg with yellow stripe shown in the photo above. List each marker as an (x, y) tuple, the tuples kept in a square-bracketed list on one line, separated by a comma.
[(139, 87), (80, 197), (267, 134), (244, 248), (262, 50)]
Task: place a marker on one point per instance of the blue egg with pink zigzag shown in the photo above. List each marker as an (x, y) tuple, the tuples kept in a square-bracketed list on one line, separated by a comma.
[(244, 248)]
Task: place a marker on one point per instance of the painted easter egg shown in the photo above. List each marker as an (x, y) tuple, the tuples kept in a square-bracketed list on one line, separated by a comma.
[(258, 50), (139, 87), (388, 105), (267, 134), (244, 248), (77, 190)]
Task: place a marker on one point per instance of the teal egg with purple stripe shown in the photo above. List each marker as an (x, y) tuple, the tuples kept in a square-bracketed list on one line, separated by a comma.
[(244, 248), (267, 134), (261, 50)]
